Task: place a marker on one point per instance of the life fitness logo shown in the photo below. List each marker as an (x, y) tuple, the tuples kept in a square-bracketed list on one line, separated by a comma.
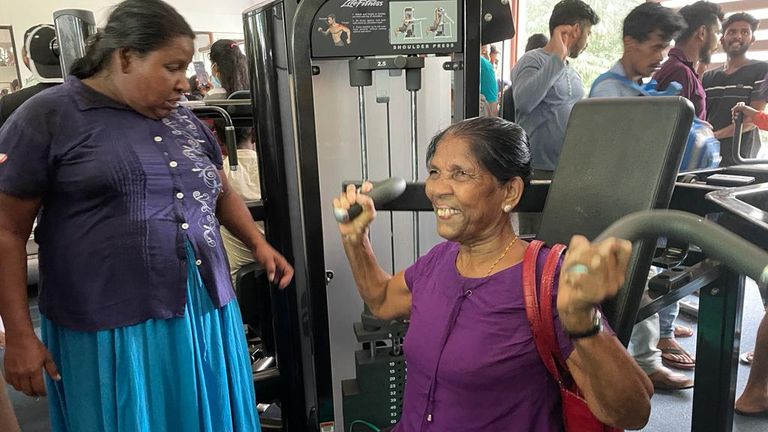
[(362, 3), (3, 157)]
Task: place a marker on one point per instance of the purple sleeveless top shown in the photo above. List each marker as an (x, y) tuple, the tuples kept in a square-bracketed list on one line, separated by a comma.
[(472, 364)]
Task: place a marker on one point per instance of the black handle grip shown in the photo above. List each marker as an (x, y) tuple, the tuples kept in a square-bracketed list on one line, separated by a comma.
[(231, 140), (382, 193)]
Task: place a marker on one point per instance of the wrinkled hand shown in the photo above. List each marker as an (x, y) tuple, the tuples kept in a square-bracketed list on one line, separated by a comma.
[(279, 271), (741, 107), (25, 359), (357, 227), (591, 273), (561, 40)]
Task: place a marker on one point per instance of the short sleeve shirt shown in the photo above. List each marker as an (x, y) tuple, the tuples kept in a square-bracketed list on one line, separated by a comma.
[(489, 87), (121, 194), (679, 69), (724, 91), (613, 87), (477, 350)]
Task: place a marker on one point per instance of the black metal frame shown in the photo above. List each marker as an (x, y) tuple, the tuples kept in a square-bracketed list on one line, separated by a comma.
[(471, 73), (310, 279), (301, 322), (717, 350), (736, 144)]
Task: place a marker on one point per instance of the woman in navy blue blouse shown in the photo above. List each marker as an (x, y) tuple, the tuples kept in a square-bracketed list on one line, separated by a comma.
[(141, 331)]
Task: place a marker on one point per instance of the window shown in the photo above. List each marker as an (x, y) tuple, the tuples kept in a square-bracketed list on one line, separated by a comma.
[(605, 45)]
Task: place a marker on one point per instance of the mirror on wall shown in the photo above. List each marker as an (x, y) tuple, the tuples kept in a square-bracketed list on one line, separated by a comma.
[(10, 77)]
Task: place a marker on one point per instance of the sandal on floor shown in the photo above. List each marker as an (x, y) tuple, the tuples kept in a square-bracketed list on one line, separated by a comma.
[(665, 379), (683, 332), (746, 358), (668, 359)]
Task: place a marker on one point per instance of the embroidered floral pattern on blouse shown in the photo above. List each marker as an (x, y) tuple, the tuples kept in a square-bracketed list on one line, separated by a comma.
[(186, 132)]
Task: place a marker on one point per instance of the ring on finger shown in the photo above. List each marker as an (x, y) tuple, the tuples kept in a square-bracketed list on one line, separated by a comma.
[(578, 269)]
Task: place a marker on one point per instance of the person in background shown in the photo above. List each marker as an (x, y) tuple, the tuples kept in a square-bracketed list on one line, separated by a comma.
[(229, 69), (535, 41), (140, 324), (43, 63), (196, 91), (15, 86), (695, 44), (501, 84), (546, 87), (647, 33), (489, 88), (754, 401), (246, 183), (738, 80), (493, 56)]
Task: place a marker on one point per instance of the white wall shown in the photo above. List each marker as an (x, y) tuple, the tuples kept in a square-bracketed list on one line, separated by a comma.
[(220, 16)]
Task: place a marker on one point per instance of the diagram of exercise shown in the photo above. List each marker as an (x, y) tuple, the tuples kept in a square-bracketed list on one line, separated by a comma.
[(423, 21), (335, 29), (411, 27), (443, 25)]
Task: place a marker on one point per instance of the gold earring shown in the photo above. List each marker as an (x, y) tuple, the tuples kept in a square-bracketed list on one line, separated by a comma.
[(507, 208)]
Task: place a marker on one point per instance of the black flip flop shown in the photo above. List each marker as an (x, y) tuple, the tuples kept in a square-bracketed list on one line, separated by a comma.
[(674, 364)]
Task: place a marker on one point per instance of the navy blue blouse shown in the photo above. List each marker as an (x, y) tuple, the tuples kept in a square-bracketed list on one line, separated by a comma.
[(121, 193)]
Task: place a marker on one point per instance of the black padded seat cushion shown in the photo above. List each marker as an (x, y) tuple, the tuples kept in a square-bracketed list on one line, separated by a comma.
[(620, 156)]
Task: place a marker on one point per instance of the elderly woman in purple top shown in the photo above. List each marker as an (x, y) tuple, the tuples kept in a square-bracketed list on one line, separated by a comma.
[(141, 331), (472, 363)]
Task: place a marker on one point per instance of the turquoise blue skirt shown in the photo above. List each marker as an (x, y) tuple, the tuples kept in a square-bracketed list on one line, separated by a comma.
[(189, 374)]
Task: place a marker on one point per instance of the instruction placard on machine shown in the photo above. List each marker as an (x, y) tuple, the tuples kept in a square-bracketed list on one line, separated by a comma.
[(352, 28)]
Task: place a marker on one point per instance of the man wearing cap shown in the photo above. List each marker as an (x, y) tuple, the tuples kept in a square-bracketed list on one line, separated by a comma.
[(43, 63)]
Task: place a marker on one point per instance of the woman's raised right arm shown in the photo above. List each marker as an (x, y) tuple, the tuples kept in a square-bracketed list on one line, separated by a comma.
[(387, 296), (25, 355)]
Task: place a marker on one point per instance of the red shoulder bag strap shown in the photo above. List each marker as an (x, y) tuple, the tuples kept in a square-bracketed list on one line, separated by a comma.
[(545, 306), (532, 311)]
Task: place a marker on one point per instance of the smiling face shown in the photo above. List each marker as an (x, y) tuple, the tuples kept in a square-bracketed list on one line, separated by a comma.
[(466, 197), (737, 39), (152, 84)]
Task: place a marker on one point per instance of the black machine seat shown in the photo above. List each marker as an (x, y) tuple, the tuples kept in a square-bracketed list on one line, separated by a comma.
[(620, 156)]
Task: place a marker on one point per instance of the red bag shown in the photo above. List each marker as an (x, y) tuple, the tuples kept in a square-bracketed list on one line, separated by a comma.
[(577, 417)]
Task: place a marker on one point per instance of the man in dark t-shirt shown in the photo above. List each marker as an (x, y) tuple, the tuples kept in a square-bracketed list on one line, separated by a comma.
[(739, 80)]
